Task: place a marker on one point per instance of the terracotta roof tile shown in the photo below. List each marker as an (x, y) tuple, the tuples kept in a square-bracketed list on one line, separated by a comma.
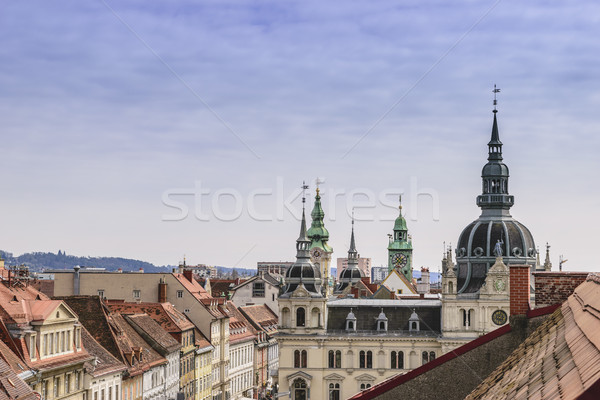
[(165, 314), (106, 362), (151, 331), (560, 360), (11, 386)]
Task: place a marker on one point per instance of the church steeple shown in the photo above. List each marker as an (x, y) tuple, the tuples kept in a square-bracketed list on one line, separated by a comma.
[(400, 247), (495, 199), (317, 233)]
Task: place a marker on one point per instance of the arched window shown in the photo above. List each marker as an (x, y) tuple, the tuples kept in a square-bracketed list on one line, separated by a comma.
[(300, 317), (431, 355), (350, 325), (397, 360), (365, 359), (297, 359), (331, 359), (338, 359), (334, 391), (364, 386), (299, 387), (450, 287), (303, 359), (381, 326), (425, 357)]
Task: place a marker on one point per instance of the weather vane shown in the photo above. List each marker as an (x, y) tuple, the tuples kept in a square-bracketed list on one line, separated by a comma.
[(318, 181), (495, 91), (304, 187)]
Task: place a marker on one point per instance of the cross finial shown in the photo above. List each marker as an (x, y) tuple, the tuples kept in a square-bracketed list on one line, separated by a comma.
[(400, 201), (318, 181), (495, 91)]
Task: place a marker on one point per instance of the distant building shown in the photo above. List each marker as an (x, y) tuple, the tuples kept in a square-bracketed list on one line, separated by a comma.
[(276, 269), (260, 289), (378, 273)]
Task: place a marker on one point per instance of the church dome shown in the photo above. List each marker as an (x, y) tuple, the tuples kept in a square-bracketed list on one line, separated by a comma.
[(479, 239), (495, 169), (351, 274), (302, 270), (400, 224)]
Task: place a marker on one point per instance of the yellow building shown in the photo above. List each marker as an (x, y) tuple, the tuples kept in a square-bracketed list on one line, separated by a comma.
[(204, 356)]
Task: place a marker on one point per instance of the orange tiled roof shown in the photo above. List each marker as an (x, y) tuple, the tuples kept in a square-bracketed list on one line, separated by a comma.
[(164, 314), (560, 360), (11, 386)]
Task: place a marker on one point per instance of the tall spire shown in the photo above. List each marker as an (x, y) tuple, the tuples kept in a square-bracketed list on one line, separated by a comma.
[(547, 263), (317, 233), (495, 198), (303, 243), (352, 253)]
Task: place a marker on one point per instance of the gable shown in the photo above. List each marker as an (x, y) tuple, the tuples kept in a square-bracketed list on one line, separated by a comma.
[(334, 377), (394, 281)]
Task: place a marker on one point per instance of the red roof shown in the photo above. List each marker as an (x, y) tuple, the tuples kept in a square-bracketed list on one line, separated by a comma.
[(560, 360), (165, 314)]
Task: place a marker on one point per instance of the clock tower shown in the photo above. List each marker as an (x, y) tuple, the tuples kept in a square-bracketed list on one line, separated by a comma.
[(320, 251), (400, 248)]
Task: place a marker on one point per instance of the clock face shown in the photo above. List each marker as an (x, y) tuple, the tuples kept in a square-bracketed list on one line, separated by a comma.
[(499, 285), (399, 260), (316, 253), (499, 317)]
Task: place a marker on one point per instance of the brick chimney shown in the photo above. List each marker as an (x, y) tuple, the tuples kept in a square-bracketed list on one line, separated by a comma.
[(188, 274), (162, 291), (519, 289)]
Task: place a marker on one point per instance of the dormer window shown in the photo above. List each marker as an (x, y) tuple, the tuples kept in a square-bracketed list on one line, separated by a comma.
[(351, 322), (414, 323), (382, 322)]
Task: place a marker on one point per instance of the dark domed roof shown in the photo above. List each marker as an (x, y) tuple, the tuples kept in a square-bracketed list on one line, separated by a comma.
[(302, 271), (479, 238), (494, 169), (353, 274)]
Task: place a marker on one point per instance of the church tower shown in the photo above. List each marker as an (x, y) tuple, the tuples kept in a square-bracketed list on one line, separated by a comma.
[(320, 251), (302, 306), (352, 274), (495, 227), (400, 248)]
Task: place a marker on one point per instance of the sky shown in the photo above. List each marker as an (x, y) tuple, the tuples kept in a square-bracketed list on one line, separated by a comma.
[(162, 130)]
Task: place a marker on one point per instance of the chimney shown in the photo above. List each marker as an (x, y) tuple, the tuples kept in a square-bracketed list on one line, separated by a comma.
[(519, 289), (188, 274), (76, 280), (162, 291)]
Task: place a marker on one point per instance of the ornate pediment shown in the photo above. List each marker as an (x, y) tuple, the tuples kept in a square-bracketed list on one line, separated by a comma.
[(334, 377), (300, 291), (365, 377)]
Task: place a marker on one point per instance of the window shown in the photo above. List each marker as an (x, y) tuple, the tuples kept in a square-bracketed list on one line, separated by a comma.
[(67, 383), (51, 340), (300, 359), (397, 360), (116, 392), (32, 347), (45, 345), (101, 293), (425, 357), (69, 344), (365, 359), (334, 391), (187, 311), (399, 291), (335, 359), (258, 289), (77, 377), (44, 389), (300, 317), (56, 386), (137, 294), (365, 386), (180, 294), (431, 355)]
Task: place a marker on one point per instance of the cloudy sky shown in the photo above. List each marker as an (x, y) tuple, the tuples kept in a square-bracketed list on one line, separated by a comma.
[(151, 129)]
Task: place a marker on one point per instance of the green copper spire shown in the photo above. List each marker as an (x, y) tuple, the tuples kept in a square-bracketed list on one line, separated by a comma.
[(400, 247), (317, 233)]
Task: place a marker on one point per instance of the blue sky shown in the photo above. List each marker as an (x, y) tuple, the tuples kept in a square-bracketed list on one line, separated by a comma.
[(109, 108)]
